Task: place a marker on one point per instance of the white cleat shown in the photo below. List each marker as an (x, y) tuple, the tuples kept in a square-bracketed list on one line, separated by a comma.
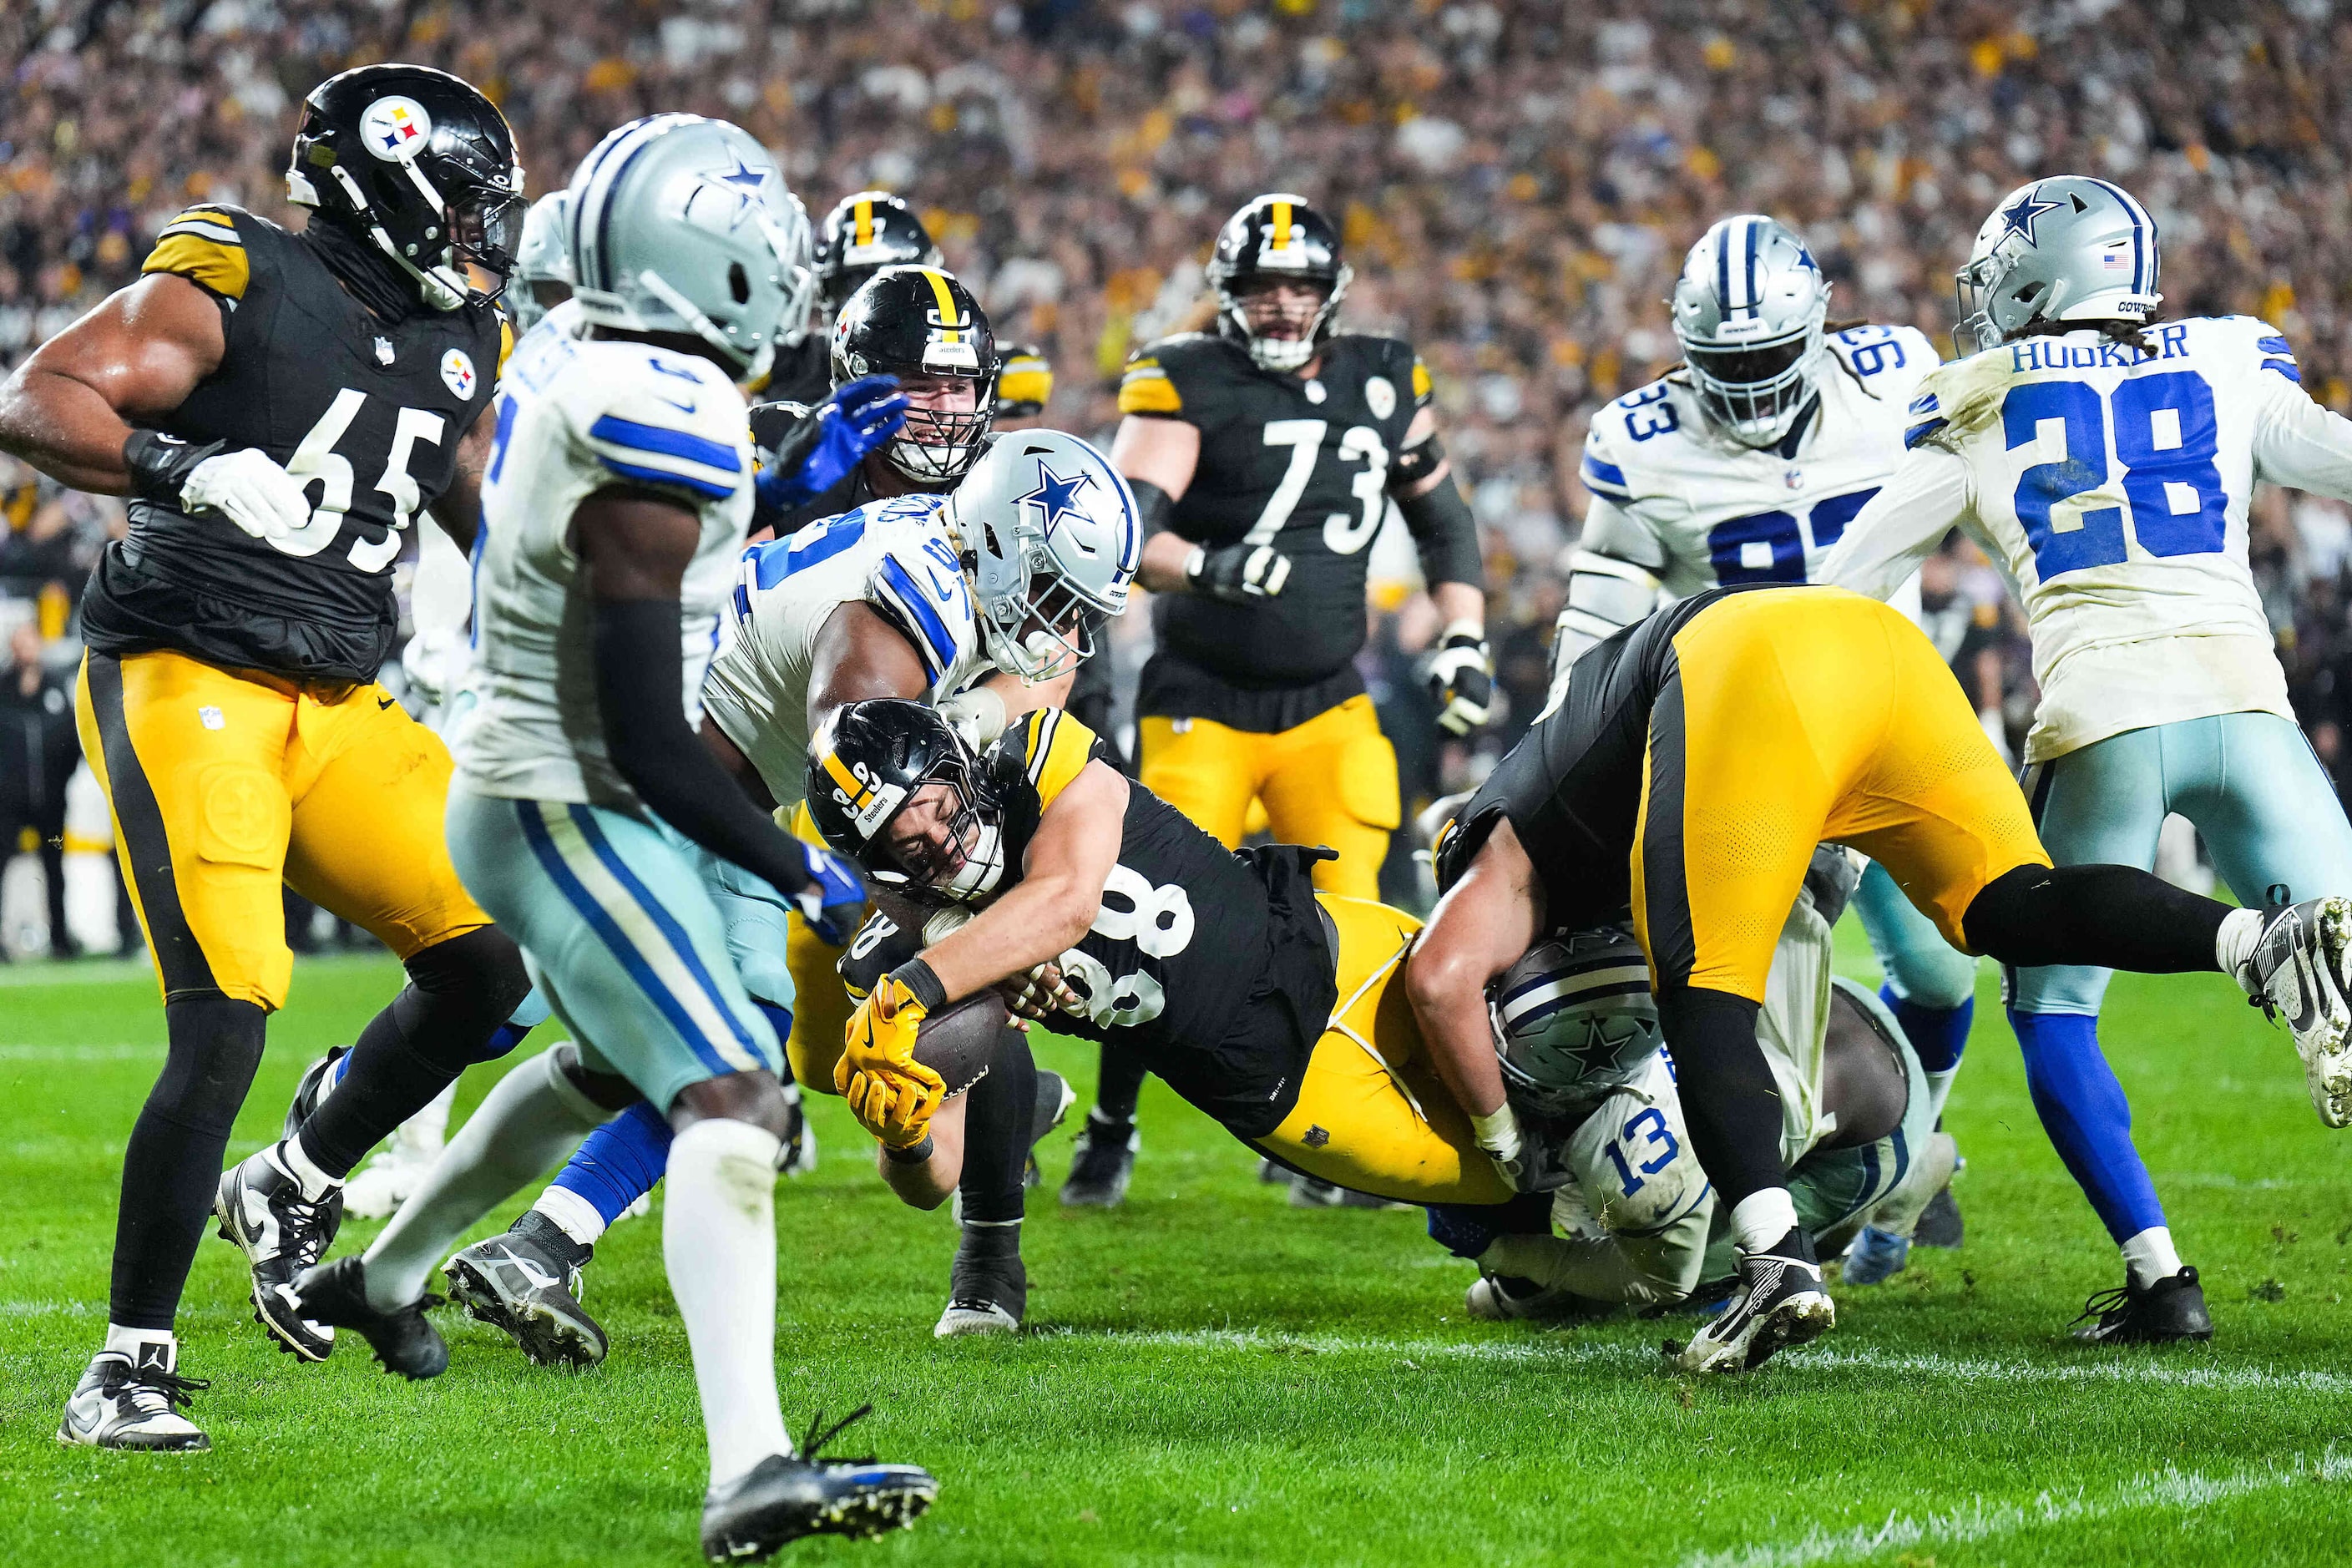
[(1780, 1305), (2300, 973), (120, 1403), (378, 1189), (974, 1317)]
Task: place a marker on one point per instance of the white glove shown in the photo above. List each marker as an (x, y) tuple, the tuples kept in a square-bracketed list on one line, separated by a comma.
[(977, 715), (1498, 1134), (251, 491)]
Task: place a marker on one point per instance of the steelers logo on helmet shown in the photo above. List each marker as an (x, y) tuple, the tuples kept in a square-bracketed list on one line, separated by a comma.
[(396, 129)]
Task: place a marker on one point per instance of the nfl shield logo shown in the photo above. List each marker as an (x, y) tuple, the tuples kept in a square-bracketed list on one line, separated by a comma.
[(384, 351), (1795, 479)]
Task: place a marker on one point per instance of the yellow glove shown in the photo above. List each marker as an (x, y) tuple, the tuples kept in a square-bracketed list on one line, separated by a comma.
[(891, 1094)]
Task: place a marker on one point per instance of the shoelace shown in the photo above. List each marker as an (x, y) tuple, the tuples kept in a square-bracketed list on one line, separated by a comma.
[(816, 1439), (2101, 1304), (310, 1226), (161, 1393)]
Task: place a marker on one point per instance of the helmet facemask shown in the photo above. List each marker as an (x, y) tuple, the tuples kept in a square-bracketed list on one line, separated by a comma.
[(1046, 629), (937, 445), (1284, 355), (974, 825), (1756, 391)]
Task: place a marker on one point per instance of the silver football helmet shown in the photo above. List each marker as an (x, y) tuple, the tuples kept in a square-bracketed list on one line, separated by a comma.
[(1748, 312), (681, 224), (1574, 1019), (540, 261), (1052, 538), (2067, 248)]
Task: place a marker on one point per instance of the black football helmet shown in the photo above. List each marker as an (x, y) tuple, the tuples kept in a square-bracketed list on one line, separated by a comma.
[(1024, 382), (862, 234), (420, 164), (1277, 238), (868, 761), (912, 321)]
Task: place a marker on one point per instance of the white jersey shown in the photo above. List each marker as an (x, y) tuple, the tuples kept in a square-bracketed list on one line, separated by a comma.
[(2112, 488), (1695, 509), (894, 555), (575, 416)]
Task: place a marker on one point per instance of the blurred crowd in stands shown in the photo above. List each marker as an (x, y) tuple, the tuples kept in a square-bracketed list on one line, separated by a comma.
[(1517, 179)]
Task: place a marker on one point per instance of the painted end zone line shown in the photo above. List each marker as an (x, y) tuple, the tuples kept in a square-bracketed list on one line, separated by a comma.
[(2169, 1489)]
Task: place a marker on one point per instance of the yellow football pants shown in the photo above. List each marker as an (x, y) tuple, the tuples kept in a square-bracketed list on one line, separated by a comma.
[(1372, 1114), (1331, 780), (821, 1004), (224, 787), (1800, 716)]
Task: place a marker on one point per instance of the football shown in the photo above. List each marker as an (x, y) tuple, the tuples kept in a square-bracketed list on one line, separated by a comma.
[(958, 1042)]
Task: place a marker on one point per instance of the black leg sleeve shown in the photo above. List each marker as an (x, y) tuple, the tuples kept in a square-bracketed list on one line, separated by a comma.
[(174, 1162), (458, 993), (2115, 917), (1730, 1102), (999, 1119), (1120, 1086)]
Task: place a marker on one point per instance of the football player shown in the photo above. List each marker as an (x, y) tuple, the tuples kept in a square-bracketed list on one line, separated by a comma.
[(1745, 465), (1673, 779), (924, 597), (1583, 1060), (613, 508), (1024, 385), (1274, 1009), (279, 407), (2107, 459), (1266, 456), (862, 234), (914, 373)]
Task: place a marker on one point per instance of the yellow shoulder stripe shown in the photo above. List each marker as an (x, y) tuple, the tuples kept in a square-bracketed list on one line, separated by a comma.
[(1145, 389), (1422, 384), (1024, 379), (1059, 749), (506, 345), (221, 267)]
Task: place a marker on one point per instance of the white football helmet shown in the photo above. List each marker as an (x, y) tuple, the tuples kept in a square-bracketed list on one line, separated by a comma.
[(2068, 249), (1052, 538), (541, 258), (1749, 311)]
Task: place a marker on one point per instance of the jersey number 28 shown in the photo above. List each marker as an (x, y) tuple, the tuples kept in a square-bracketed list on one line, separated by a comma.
[(2164, 445)]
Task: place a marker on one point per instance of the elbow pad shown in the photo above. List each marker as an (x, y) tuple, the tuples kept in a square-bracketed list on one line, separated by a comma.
[(1415, 464), (1441, 522)]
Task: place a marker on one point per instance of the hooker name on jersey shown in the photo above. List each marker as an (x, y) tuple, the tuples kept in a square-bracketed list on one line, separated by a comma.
[(1301, 464), (366, 413)]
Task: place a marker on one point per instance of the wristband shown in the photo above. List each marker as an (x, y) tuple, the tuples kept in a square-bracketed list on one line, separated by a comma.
[(913, 1154), (922, 984), (160, 464)]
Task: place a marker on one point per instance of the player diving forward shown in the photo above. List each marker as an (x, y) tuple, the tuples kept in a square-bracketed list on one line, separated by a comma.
[(1588, 1072), (1746, 466), (1265, 456), (229, 704), (1673, 780), (934, 598), (613, 506), (2108, 462)]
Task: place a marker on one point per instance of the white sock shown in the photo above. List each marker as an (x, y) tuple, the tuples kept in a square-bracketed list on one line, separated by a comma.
[(296, 1162), (2233, 945), (719, 1241), (2150, 1257), (531, 1119), (573, 1214), (1762, 1219), (1939, 1090), (127, 1341)]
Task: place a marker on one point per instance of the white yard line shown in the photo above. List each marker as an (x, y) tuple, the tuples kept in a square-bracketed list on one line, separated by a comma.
[(2178, 1491), (127, 1051)]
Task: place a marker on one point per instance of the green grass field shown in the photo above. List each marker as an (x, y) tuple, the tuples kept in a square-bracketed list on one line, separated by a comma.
[(1214, 1378)]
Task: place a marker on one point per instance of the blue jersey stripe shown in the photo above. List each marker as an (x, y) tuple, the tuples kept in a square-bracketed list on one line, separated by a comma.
[(2279, 346), (917, 603), (1921, 431), (1607, 473), (669, 443), (2285, 367), (668, 477), (608, 931), (667, 923)]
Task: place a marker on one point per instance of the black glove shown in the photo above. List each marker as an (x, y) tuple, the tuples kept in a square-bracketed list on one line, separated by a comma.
[(1461, 678), (1237, 572)]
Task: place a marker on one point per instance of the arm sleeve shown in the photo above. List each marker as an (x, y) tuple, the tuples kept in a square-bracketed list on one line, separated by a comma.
[(640, 669), (1927, 498), (2297, 442), (1445, 534)]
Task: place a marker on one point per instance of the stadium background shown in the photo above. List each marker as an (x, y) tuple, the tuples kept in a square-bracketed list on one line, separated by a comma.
[(1517, 183)]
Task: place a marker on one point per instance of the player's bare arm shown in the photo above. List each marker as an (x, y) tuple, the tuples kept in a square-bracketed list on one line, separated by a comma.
[(860, 656), (1478, 930), (458, 509), (68, 409)]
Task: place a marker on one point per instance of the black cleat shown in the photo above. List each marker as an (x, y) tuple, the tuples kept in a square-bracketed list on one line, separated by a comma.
[(1939, 1222), (120, 1404), (988, 1290), (786, 1497), (261, 1208), (402, 1340), (527, 1282), (1780, 1305), (1104, 1164), (2170, 1311), (311, 1089)]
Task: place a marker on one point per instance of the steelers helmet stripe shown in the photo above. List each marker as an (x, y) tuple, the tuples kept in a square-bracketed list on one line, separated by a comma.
[(1281, 223), (851, 785)]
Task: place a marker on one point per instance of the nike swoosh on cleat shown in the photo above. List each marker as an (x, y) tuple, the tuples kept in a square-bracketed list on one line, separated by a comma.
[(540, 1278)]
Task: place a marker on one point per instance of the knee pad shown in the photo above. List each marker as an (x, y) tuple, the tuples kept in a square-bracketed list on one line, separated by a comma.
[(475, 975)]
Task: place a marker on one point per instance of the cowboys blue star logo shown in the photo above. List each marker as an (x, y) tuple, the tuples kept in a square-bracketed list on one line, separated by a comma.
[(2018, 217), (1056, 495), (743, 183)]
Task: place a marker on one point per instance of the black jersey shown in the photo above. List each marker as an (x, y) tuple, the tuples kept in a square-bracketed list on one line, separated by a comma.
[(771, 422), (1212, 967), (369, 415), (803, 371), (1572, 786), (1298, 463)]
